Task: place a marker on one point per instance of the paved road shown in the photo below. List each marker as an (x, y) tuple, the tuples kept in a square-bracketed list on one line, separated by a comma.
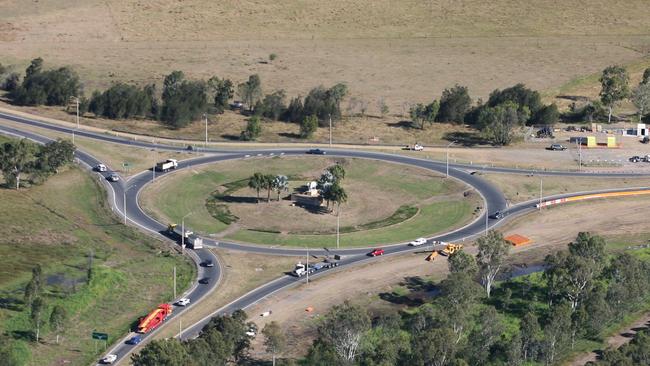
[(128, 191)]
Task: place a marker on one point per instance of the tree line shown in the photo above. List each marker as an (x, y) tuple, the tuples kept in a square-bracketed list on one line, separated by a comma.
[(22, 161), (536, 319)]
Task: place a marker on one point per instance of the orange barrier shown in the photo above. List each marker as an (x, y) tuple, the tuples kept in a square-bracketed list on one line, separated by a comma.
[(517, 240), (592, 196)]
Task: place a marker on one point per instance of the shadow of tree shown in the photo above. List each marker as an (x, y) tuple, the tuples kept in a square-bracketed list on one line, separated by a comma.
[(466, 138)]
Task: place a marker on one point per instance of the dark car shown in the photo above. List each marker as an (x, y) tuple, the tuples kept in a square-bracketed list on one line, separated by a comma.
[(636, 159), (134, 340), (645, 140), (497, 215), (207, 263), (556, 147), (113, 178), (316, 152), (204, 281)]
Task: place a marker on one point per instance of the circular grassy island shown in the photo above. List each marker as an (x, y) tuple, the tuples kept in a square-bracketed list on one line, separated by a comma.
[(387, 203)]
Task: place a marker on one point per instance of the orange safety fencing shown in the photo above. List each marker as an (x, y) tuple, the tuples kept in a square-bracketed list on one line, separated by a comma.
[(592, 196)]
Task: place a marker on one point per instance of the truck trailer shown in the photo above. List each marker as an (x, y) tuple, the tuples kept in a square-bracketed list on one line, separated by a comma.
[(154, 318), (167, 165)]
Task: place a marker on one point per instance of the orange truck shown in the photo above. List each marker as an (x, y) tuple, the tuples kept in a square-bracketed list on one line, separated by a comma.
[(155, 318)]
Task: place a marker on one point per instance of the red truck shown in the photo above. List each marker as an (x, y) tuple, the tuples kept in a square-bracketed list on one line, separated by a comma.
[(155, 318)]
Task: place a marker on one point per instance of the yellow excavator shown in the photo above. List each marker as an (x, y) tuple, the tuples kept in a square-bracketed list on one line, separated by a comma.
[(451, 249), (431, 256)]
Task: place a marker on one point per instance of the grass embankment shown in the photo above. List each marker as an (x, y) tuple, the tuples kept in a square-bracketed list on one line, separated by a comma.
[(58, 225), (387, 203)]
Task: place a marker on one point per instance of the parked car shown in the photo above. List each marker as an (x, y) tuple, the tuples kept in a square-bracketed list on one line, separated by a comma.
[(134, 340), (204, 280), (316, 152), (236, 105), (635, 159), (113, 178), (108, 359), (645, 140), (417, 242), (100, 168), (376, 252), (556, 147), (183, 302), (207, 263)]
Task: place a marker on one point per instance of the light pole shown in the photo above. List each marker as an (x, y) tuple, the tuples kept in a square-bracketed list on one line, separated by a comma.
[(540, 193), (330, 130), (205, 115), (451, 143), (183, 231), (174, 282), (77, 102), (307, 265), (338, 223), (487, 216)]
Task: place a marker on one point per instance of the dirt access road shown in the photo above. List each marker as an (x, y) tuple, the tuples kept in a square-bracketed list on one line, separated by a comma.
[(550, 229)]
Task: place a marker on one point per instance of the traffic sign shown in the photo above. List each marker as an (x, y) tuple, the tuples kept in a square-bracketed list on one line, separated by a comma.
[(100, 336)]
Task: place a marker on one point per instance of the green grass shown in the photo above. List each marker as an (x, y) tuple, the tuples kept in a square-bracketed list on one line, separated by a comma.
[(432, 218), (57, 225)]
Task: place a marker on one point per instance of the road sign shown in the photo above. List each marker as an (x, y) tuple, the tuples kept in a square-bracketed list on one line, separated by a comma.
[(100, 336)]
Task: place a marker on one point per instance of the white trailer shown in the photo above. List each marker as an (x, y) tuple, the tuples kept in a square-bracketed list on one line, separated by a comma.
[(167, 165)]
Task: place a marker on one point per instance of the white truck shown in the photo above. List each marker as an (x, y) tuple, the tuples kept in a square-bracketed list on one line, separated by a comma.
[(167, 165), (302, 269), (193, 241)]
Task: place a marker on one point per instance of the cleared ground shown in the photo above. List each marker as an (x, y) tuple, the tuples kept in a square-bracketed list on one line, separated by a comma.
[(376, 191), (59, 225), (519, 188), (373, 284), (406, 51)]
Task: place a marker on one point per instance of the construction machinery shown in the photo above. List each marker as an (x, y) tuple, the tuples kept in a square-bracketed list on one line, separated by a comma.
[(431, 256), (451, 249), (154, 318)]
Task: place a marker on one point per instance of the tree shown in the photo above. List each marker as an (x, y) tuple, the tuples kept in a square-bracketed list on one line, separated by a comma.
[(274, 339), (461, 262), (556, 332), (168, 352), (51, 87), (222, 91), (522, 97), (337, 171), (433, 347), (492, 251), (308, 126), (382, 107), (498, 123), (57, 320), (183, 100), (233, 329), (35, 67), (646, 76), (454, 104), (458, 292), (267, 180), (256, 182), (343, 328), (321, 353), (34, 287), (614, 87), (9, 354), (36, 314), (16, 158), (272, 106), (280, 184), (11, 82), (253, 129), (641, 99), (421, 113), (385, 343), (54, 155), (485, 335), (547, 115), (337, 195), (250, 91), (531, 334)]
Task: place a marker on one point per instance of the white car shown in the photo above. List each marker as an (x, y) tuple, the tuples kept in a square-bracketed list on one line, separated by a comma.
[(183, 302), (418, 147), (100, 168), (109, 359), (417, 242)]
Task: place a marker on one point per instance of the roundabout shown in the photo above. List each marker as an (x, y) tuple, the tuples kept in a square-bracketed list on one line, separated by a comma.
[(386, 203)]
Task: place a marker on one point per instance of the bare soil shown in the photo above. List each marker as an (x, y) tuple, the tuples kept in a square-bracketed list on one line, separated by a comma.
[(551, 230)]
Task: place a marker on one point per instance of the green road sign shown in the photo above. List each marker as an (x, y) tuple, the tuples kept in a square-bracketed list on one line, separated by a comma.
[(100, 336)]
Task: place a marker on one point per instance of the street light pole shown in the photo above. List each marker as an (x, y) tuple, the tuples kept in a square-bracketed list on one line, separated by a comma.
[(451, 143), (77, 112), (174, 282), (307, 265), (540, 193), (124, 206), (338, 222), (330, 130), (206, 129), (487, 216)]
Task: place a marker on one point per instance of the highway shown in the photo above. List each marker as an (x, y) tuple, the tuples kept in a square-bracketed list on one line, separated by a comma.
[(129, 190)]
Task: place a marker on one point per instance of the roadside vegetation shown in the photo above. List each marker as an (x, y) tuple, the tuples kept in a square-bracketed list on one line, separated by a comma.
[(537, 319), (498, 121), (67, 266)]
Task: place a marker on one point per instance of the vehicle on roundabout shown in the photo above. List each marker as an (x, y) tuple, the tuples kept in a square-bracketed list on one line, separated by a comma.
[(108, 359), (183, 302), (417, 242), (316, 152), (100, 168), (376, 252), (134, 340), (113, 178)]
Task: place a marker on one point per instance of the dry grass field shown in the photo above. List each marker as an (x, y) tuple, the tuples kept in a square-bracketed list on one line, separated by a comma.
[(399, 50)]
